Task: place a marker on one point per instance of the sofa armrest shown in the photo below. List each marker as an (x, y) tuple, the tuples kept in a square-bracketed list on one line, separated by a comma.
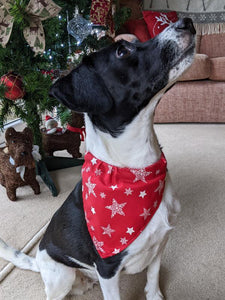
[(200, 69), (217, 69)]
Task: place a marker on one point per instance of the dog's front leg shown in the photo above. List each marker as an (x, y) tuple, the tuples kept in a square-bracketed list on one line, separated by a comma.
[(110, 287), (152, 289)]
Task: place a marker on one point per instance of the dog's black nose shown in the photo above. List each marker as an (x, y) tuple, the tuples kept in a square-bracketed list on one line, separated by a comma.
[(186, 24)]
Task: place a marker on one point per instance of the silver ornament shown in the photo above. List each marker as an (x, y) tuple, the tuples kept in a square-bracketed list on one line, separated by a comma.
[(79, 27)]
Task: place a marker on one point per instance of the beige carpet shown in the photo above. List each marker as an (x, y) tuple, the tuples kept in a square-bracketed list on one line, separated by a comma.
[(193, 266)]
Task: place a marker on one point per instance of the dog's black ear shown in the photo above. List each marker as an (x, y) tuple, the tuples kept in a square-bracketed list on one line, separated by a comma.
[(10, 133), (83, 90), (29, 134)]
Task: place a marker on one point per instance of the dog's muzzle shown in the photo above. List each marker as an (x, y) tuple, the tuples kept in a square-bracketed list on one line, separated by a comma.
[(185, 24)]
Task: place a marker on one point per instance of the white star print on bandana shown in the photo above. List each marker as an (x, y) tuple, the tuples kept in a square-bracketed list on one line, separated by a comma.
[(119, 202), (116, 208)]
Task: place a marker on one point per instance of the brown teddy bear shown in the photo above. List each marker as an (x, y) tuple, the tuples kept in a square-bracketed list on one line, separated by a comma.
[(17, 164)]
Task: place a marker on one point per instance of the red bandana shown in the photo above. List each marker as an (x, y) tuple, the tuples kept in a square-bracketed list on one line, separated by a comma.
[(119, 202)]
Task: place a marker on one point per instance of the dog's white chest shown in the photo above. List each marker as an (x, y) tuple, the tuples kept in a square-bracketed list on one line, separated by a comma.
[(152, 240)]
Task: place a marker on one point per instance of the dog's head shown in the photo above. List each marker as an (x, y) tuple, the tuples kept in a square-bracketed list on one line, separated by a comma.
[(20, 146), (116, 83)]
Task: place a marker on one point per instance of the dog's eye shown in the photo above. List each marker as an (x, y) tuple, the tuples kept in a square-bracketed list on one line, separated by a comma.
[(122, 52), (13, 141)]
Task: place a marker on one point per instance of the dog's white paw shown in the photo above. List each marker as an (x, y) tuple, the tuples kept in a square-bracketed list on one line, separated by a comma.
[(156, 296)]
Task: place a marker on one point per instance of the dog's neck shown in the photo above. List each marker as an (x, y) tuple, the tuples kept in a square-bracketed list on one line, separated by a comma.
[(136, 147)]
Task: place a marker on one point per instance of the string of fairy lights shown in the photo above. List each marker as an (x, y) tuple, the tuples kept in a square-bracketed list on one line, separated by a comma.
[(79, 28)]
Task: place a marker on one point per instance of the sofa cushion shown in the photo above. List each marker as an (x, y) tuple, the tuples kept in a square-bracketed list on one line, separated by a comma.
[(200, 69), (217, 69), (213, 45), (193, 101), (158, 21), (197, 43), (138, 28)]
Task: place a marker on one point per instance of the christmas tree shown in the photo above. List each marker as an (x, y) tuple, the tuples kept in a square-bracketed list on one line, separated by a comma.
[(34, 40)]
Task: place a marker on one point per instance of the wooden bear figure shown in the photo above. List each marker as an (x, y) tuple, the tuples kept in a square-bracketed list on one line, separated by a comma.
[(17, 165)]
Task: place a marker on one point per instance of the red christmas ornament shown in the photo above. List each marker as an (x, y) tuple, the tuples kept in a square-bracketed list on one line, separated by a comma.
[(13, 82)]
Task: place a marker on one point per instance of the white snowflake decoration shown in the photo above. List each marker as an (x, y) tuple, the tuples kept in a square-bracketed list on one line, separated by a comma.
[(212, 17), (222, 17)]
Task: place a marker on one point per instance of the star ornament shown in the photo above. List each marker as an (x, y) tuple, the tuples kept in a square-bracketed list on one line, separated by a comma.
[(116, 208), (140, 174)]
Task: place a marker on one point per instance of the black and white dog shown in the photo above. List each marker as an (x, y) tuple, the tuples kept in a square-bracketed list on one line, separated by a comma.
[(118, 89)]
